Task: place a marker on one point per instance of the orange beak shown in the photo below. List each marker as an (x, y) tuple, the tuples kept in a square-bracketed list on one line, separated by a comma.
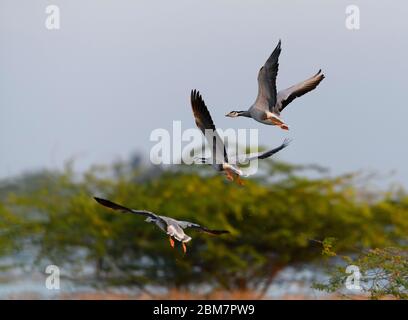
[(284, 127)]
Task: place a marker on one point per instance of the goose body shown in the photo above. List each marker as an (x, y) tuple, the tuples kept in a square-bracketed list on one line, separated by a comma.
[(269, 103)]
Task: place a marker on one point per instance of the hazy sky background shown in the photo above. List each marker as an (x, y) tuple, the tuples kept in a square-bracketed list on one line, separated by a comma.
[(116, 70)]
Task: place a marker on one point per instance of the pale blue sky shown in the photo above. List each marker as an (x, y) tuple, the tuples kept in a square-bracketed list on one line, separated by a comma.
[(116, 70)]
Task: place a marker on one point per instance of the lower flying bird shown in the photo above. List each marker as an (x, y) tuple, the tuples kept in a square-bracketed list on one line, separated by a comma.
[(174, 228), (219, 154)]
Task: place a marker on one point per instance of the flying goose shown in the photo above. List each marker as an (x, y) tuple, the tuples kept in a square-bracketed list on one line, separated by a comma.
[(219, 154), (269, 104), (174, 228)]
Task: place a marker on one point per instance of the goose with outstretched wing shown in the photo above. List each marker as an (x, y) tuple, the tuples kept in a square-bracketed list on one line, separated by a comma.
[(270, 103), (172, 227), (219, 157)]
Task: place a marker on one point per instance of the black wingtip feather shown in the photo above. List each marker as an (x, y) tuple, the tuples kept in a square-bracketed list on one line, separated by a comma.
[(217, 232), (287, 142), (110, 204), (278, 47), (196, 97), (100, 200), (201, 114), (321, 74), (105, 202)]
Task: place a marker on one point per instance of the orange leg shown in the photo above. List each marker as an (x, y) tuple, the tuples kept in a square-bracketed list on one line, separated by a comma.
[(239, 180), (171, 242), (275, 121), (229, 175), (184, 247)]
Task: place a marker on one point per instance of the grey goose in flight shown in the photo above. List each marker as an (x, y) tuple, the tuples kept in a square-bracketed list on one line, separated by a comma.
[(174, 228), (219, 157), (269, 104)]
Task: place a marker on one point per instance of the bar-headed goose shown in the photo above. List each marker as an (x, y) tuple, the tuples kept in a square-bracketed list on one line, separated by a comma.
[(269, 104), (174, 228), (219, 157)]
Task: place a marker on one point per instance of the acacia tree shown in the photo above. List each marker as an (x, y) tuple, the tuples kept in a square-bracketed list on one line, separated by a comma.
[(383, 271), (7, 220), (273, 220)]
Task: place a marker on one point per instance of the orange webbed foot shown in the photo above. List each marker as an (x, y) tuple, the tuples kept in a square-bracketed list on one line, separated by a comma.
[(239, 181), (171, 242), (229, 175), (184, 247)]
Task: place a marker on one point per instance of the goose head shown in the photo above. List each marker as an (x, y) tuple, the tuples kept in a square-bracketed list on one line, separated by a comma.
[(234, 114)]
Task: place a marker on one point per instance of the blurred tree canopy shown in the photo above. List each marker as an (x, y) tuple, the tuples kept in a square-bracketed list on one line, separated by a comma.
[(383, 273), (275, 221)]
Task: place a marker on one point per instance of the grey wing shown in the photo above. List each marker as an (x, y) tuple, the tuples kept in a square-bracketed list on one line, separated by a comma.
[(288, 95), (261, 155), (267, 81), (115, 206), (187, 224), (205, 123)]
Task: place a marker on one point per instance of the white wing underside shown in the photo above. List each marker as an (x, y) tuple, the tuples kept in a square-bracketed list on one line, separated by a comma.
[(247, 158), (244, 158)]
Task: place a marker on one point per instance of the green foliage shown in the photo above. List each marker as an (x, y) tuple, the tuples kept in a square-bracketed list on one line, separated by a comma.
[(384, 273), (275, 221), (6, 222), (328, 247), (384, 269)]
